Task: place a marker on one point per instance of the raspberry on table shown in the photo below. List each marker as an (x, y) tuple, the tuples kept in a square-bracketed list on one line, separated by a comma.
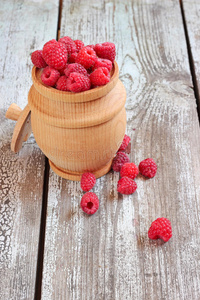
[(118, 161), (79, 45), (102, 62), (125, 142), (126, 186), (77, 82), (37, 59), (50, 76), (160, 229), (130, 170), (106, 50), (75, 68), (69, 44), (148, 167), (89, 203), (100, 76), (88, 180), (62, 83), (86, 57), (72, 57), (55, 54)]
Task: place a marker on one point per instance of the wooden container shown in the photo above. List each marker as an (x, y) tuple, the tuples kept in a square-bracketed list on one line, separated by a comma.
[(78, 132)]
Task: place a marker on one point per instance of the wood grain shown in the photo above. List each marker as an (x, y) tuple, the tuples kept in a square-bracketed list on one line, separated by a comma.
[(25, 26), (108, 255)]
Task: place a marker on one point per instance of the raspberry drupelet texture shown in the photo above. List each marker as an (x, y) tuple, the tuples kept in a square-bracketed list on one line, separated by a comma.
[(37, 59), (75, 68), (148, 167), (160, 229), (100, 76), (50, 76), (102, 62), (72, 57), (106, 50), (86, 57), (69, 44), (88, 180), (130, 170), (118, 161), (126, 186), (62, 83), (77, 82), (79, 45), (55, 54), (125, 142), (89, 203)]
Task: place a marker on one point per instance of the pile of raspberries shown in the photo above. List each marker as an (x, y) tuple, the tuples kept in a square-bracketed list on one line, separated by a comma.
[(69, 65)]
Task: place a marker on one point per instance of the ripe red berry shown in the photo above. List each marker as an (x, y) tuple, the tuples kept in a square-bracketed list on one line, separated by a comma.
[(124, 143), (126, 186), (79, 45), (50, 76), (130, 170), (62, 83), (89, 203), (148, 167), (106, 50), (88, 180), (69, 44), (86, 57), (100, 76), (75, 68), (160, 229), (102, 62), (55, 54), (118, 161), (78, 82), (72, 57), (37, 59)]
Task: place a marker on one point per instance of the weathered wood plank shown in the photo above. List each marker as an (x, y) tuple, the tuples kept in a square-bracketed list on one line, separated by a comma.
[(25, 26), (108, 255)]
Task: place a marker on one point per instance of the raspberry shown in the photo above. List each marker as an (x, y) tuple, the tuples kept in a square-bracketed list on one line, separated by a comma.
[(148, 167), (120, 159), (88, 180), (62, 83), (55, 54), (69, 44), (75, 68), (101, 62), (86, 57), (90, 203), (37, 59), (130, 170), (79, 45), (50, 76), (126, 186), (160, 229), (106, 50), (100, 76), (91, 46), (124, 143), (72, 57), (78, 82), (62, 71)]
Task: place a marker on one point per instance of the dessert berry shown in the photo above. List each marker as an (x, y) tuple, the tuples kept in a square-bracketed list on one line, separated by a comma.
[(75, 68), (55, 54), (77, 82), (88, 180), (101, 62), (126, 186), (130, 170), (86, 57), (100, 76), (119, 160), (106, 50), (124, 143), (89, 203), (79, 45), (50, 76), (148, 168), (62, 83), (37, 59), (69, 44), (160, 229), (72, 57)]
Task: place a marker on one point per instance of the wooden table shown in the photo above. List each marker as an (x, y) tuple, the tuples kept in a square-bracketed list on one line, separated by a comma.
[(50, 249)]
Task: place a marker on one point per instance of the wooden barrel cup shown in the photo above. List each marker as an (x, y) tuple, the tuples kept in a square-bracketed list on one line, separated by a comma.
[(78, 132)]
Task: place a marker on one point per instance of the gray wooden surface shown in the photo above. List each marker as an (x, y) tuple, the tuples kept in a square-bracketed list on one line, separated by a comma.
[(107, 255)]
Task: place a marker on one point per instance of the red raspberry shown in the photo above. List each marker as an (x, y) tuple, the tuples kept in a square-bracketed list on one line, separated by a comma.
[(37, 59), (120, 159), (62, 83), (75, 68), (124, 143), (90, 203), (148, 167), (88, 180), (69, 44), (126, 186), (62, 71), (100, 76), (50, 76), (79, 45), (130, 170), (78, 82), (86, 57), (91, 46), (101, 62), (55, 54), (106, 50), (72, 57), (160, 229)]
